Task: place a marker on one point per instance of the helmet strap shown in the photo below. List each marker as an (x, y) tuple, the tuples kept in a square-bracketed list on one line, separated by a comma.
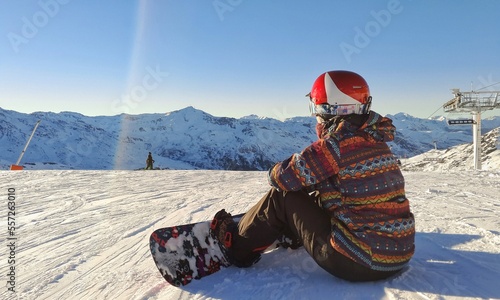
[(367, 106)]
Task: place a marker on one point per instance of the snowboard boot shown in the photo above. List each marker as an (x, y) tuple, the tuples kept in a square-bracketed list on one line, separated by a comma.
[(224, 228)]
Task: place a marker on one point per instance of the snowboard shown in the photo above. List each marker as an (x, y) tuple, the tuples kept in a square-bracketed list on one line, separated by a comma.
[(183, 253), (186, 252)]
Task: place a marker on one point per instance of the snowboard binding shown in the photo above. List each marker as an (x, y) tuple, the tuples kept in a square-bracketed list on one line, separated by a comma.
[(223, 228)]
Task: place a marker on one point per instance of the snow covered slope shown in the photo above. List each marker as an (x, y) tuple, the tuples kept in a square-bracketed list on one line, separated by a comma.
[(459, 157), (84, 235), (188, 139)]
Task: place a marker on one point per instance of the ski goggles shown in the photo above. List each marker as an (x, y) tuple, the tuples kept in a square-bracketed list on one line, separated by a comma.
[(337, 109)]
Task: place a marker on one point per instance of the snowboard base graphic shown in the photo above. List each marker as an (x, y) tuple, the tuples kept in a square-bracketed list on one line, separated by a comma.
[(186, 252)]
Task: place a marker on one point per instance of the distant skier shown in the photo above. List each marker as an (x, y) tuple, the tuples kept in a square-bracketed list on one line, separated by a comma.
[(342, 197), (149, 162)]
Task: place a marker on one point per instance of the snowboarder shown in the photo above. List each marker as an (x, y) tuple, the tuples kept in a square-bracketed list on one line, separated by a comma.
[(149, 162), (342, 197)]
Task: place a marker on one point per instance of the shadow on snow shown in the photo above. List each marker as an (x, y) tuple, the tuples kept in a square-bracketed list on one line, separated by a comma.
[(436, 269)]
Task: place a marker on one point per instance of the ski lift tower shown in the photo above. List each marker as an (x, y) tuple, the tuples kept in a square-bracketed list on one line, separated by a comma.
[(473, 102)]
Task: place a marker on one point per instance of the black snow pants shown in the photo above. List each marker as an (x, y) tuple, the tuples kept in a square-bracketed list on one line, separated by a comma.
[(297, 215)]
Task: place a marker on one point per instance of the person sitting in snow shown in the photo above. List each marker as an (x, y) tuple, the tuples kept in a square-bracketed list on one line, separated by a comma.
[(343, 197), (149, 162)]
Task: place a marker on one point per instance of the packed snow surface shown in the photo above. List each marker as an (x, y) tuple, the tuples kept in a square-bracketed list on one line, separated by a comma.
[(84, 235)]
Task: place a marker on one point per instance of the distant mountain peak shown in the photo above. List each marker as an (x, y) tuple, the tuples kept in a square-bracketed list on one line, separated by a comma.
[(188, 110), (190, 138)]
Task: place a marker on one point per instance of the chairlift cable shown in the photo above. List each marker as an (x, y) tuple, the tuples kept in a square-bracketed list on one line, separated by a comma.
[(435, 112), (488, 86)]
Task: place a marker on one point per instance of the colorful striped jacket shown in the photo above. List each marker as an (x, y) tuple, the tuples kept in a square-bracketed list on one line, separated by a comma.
[(361, 186)]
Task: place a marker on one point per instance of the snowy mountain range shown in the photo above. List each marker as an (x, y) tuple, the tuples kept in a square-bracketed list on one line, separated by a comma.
[(192, 139)]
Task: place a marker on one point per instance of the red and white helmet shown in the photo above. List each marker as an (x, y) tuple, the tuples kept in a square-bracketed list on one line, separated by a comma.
[(338, 93)]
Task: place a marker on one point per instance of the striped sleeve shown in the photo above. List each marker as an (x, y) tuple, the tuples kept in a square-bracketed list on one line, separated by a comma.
[(313, 165)]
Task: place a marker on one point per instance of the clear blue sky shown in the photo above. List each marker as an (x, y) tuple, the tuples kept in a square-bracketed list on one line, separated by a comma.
[(240, 57)]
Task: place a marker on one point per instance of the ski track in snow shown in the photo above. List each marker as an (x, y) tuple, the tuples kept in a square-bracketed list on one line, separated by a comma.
[(84, 235)]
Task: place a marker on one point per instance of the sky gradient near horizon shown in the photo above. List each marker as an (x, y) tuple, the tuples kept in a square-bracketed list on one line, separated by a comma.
[(235, 57)]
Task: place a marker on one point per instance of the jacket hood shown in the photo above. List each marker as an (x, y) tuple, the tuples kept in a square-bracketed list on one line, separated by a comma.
[(372, 126)]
